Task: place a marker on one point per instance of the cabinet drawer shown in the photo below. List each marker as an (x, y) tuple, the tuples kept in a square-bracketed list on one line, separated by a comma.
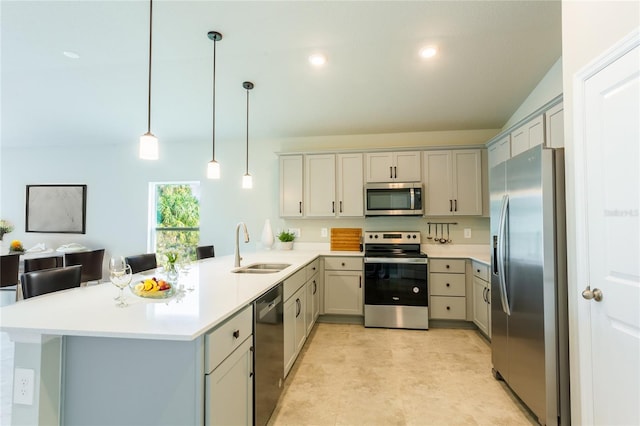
[(312, 268), (447, 284), (481, 271), (293, 283), (343, 263), (446, 307), (219, 343), (455, 266)]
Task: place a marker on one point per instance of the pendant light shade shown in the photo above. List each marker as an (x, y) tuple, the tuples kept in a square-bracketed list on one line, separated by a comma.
[(213, 168), (148, 142), (149, 146), (247, 180)]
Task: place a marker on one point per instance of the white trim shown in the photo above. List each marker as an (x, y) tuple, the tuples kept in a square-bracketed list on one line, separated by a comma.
[(582, 402)]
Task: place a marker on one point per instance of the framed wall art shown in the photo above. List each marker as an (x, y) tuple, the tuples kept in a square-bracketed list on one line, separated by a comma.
[(56, 209)]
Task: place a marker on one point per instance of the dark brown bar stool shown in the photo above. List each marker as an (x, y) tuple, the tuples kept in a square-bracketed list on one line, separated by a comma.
[(142, 262), (204, 252), (45, 281), (91, 262), (9, 265), (40, 263)]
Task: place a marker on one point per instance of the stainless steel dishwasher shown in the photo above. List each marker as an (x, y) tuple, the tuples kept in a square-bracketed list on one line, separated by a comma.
[(268, 353)]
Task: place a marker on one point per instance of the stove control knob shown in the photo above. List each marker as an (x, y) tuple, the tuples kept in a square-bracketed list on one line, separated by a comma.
[(414, 236), (370, 236), (376, 236), (416, 290)]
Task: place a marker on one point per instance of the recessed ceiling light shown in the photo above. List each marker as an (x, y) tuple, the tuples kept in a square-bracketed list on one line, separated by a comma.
[(428, 52), (317, 59), (70, 54)]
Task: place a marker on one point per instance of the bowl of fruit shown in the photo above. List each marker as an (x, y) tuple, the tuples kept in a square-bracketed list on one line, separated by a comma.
[(153, 288)]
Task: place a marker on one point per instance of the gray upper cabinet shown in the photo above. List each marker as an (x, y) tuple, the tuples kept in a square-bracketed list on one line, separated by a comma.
[(291, 186), (453, 182), (401, 166), (320, 185), (350, 184), (545, 128)]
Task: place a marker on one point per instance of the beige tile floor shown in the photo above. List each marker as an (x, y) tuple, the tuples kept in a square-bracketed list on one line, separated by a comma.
[(351, 375)]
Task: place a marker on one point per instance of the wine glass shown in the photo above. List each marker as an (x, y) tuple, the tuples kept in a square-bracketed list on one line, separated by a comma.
[(117, 263), (120, 275)]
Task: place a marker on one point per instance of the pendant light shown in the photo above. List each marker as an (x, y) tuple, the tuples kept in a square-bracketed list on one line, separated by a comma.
[(247, 180), (148, 141), (213, 168)]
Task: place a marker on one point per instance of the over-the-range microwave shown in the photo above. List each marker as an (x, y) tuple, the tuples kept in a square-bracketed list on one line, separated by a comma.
[(393, 199)]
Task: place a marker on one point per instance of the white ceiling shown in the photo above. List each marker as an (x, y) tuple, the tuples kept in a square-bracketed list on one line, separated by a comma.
[(492, 54)]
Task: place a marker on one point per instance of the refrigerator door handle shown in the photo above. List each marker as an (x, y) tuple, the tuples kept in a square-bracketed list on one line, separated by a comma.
[(501, 254)]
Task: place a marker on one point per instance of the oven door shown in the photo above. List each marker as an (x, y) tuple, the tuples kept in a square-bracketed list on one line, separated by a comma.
[(399, 282)]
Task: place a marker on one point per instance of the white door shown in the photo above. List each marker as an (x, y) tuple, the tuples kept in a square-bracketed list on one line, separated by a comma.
[(608, 232)]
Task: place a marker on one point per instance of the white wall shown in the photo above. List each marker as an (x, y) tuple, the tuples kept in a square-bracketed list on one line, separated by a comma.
[(588, 29), (546, 90), (117, 194)]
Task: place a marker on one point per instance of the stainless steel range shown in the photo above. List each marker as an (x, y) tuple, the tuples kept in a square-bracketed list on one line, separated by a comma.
[(395, 282)]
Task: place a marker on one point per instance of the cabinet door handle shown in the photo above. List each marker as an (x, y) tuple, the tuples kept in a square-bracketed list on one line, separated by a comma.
[(236, 333), (455, 205), (484, 294), (333, 207), (450, 205), (298, 308), (300, 206), (447, 266), (360, 284), (448, 285), (390, 172), (340, 206), (448, 308), (395, 172), (488, 296), (342, 263), (315, 286)]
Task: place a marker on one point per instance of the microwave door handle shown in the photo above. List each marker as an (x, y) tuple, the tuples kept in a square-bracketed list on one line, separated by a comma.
[(413, 198)]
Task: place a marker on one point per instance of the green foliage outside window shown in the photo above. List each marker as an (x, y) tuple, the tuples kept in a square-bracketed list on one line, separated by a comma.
[(177, 220)]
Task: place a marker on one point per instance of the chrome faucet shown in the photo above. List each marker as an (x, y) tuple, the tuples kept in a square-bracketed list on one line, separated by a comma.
[(246, 240)]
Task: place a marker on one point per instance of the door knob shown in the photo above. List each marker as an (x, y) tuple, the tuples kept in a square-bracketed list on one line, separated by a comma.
[(595, 294)]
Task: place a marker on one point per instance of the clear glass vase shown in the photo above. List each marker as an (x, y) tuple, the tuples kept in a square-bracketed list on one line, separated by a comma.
[(172, 273)]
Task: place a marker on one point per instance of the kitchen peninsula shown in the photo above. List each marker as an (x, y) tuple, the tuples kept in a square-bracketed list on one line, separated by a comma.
[(95, 363), (147, 363)]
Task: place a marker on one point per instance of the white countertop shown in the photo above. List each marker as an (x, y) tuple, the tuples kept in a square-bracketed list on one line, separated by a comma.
[(91, 311), (217, 294), (478, 252)]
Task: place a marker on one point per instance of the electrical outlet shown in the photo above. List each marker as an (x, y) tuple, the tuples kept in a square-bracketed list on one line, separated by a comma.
[(296, 232), (23, 384), (323, 232), (467, 232)]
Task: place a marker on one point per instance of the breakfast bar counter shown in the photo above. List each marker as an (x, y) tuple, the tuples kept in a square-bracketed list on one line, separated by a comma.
[(95, 363), (91, 311)]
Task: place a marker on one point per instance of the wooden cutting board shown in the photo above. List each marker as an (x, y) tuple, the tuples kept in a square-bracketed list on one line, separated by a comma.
[(346, 239)]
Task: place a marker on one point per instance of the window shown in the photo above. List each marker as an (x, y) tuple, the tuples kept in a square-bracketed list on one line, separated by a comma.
[(174, 218)]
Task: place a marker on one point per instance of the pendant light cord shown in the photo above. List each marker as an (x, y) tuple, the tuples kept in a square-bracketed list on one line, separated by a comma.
[(247, 131), (213, 118), (149, 98)]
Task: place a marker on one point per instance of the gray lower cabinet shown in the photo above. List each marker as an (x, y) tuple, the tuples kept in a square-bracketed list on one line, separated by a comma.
[(295, 330), (229, 389), (481, 298), (343, 286), (447, 287), (229, 368)]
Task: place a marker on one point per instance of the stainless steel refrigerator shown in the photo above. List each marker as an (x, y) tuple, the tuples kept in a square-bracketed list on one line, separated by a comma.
[(529, 330)]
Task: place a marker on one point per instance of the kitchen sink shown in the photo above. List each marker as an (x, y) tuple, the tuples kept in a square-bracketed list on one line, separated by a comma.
[(276, 266), (261, 268)]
